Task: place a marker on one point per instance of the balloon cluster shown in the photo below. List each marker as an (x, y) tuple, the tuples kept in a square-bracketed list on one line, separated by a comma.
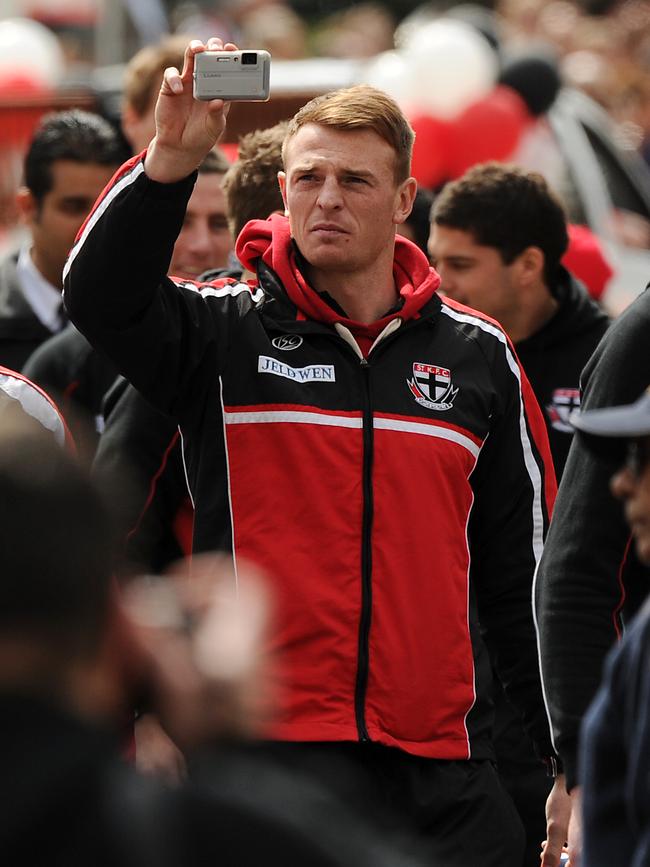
[(464, 104)]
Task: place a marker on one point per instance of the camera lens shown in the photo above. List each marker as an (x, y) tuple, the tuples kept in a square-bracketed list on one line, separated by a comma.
[(249, 58)]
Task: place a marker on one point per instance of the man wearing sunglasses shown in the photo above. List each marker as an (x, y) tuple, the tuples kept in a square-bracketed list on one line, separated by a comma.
[(615, 744)]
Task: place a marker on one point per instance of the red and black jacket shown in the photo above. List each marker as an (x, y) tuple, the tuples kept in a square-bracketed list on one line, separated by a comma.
[(394, 497)]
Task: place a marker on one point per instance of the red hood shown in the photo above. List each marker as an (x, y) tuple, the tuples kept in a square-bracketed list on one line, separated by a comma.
[(271, 240)]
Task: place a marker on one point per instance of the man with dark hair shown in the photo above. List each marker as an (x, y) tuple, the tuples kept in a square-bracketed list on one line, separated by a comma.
[(380, 443), (70, 160), (497, 238)]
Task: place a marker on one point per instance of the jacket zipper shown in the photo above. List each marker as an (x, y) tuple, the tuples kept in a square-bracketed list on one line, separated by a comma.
[(366, 563), (363, 654)]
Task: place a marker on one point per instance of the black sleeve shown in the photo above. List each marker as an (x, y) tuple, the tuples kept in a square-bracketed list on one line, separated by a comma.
[(76, 378), (170, 340), (139, 463), (588, 567)]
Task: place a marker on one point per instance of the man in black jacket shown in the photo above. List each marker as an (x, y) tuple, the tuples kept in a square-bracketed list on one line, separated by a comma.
[(380, 440), (497, 237)]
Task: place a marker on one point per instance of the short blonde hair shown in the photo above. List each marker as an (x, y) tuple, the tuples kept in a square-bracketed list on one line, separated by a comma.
[(359, 108), (144, 71)]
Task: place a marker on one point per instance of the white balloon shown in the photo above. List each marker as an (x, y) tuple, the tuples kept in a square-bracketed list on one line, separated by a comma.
[(29, 49), (390, 72), (450, 65)]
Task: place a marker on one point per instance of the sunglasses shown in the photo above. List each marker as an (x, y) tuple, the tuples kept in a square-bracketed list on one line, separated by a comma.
[(638, 456)]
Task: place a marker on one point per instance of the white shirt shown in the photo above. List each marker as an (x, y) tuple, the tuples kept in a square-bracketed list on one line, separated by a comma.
[(42, 297)]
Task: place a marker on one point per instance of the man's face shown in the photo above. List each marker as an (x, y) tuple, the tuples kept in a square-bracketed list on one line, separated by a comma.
[(632, 485), (343, 202), (55, 222), (204, 241), (473, 274)]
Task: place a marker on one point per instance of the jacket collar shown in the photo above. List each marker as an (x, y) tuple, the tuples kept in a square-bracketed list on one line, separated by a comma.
[(269, 243)]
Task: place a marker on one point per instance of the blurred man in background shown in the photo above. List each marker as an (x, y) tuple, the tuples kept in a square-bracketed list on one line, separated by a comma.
[(142, 80), (70, 160), (498, 235)]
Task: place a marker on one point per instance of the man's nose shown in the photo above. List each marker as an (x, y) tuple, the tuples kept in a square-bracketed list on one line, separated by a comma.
[(447, 285), (200, 238), (329, 195)]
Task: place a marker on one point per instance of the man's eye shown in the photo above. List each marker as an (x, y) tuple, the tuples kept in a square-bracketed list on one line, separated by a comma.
[(355, 179), (218, 224), (75, 207)]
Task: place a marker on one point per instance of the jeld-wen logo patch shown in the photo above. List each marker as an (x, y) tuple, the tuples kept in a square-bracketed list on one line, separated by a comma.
[(311, 373)]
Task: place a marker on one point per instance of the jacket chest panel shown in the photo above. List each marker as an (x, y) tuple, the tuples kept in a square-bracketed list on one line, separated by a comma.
[(412, 376)]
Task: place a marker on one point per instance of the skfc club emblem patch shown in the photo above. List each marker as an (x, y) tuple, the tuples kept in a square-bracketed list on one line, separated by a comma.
[(431, 386), (563, 402)]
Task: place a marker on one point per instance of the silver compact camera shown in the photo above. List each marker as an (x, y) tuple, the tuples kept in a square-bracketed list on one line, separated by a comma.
[(232, 75)]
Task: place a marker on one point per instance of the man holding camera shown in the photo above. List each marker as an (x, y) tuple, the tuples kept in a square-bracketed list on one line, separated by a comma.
[(386, 460)]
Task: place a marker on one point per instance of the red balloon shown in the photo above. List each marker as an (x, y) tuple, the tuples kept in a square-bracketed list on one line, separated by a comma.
[(230, 149), (23, 101), (20, 84), (431, 151), (488, 129)]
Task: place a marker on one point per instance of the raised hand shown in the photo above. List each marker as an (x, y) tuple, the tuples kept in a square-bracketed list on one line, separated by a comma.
[(186, 128)]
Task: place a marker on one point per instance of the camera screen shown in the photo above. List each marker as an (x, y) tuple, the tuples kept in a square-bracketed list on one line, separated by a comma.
[(249, 58)]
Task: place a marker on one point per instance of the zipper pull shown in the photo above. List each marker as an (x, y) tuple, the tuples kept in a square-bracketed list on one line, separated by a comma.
[(364, 362)]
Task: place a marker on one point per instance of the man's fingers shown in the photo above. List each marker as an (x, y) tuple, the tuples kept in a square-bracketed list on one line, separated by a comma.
[(172, 81), (553, 846)]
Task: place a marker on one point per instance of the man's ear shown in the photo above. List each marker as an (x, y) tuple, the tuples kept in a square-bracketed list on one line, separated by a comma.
[(530, 265), (282, 180), (28, 207), (130, 121), (405, 198)]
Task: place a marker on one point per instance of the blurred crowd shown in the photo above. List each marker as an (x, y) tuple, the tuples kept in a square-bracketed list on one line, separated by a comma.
[(601, 47)]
